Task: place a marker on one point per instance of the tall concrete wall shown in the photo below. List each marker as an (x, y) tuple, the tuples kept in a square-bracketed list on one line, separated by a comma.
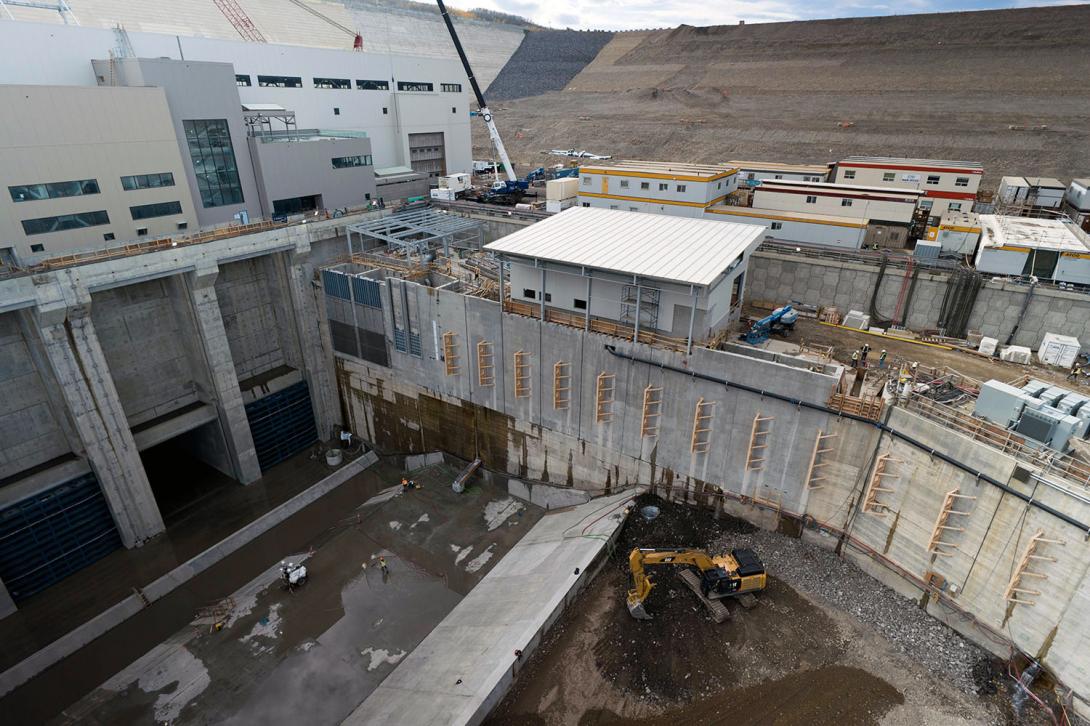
[(420, 404), (245, 295), (778, 277)]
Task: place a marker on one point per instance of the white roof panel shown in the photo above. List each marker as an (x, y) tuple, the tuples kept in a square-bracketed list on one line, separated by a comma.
[(1034, 233), (676, 249)]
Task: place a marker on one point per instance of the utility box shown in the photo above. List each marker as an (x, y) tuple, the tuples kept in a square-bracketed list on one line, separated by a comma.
[(552, 206), (1059, 350), (1000, 403)]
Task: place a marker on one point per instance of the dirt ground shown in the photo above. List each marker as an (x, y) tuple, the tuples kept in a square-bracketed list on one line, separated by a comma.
[(947, 86), (790, 660)]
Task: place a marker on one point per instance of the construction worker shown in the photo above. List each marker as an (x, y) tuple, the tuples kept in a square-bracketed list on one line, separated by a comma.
[(382, 565), (882, 359), (855, 359), (1076, 371), (865, 350)]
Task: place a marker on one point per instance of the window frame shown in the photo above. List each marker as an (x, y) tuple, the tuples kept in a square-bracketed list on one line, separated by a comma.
[(280, 81), (933, 180), (889, 176), (811, 199), (243, 80), (136, 182), (450, 87), (99, 218), (336, 84), (364, 160), (368, 85), (415, 87), (219, 186), (961, 181), (52, 190), (154, 210), (849, 173)]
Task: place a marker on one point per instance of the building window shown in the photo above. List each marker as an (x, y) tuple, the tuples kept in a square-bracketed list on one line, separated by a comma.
[(53, 190), (645, 185), (933, 179), (183, 225), (613, 206), (373, 85), (548, 297), (60, 223), (214, 166), (633, 209), (888, 176), (159, 209), (336, 111), (849, 173), (719, 185), (926, 204), (624, 184), (586, 204), (450, 87), (141, 231), (347, 162), (586, 181), (280, 81), (109, 236), (527, 292), (778, 176), (414, 86), (961, 181), (845, 202), (777, 225), (663, 187), (955, 206), (341, 83), (811, 200), (37, 248), (385, 111), (454, 109), (579, 304), (243, 80), (681, 187), (147, 181)]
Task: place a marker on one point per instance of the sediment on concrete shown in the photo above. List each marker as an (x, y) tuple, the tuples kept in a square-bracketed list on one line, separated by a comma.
[(464, 667), (163, 586)]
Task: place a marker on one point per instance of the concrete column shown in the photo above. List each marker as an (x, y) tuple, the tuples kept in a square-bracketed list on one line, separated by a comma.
[(75, 356), (221, 371), (312, 332)]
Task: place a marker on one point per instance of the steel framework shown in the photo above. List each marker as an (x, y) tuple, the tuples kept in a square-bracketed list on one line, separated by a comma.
[(416, 232)]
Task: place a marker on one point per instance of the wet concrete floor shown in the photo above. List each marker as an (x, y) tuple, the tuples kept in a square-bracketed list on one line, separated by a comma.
[(312, 655)]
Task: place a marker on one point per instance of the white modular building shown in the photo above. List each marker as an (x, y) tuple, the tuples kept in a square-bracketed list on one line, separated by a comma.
[(681, 190), (752, 173), (947, 186), (813, 229), (1048, 249), (1034, 192), (649, 272), (958, 233), (1076, 204), (893, 206)]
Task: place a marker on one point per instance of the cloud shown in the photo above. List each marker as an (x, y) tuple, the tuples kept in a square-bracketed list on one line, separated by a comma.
[(640, 14)]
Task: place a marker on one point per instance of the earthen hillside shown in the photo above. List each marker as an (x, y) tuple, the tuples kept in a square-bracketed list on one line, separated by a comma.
[(940, 85)]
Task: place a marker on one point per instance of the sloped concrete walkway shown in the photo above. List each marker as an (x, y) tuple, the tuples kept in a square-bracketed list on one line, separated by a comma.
[(466, 664)]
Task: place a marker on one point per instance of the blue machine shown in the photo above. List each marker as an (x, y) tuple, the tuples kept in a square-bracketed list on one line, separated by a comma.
[(566, 173), (782, 320)]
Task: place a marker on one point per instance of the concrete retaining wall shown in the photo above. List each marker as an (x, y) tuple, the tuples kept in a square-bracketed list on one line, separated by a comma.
[(778, 277)]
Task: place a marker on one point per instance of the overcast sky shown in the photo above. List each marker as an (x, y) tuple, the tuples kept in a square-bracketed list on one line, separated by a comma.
[(632, 14)]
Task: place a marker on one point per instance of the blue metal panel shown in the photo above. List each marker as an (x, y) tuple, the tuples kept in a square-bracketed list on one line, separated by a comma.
[(414, 344), (54, 534), (367, 292), (400, 341), (282, 424), (335, 284)]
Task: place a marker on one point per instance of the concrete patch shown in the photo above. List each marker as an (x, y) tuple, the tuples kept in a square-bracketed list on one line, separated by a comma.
[(480, 560), (553, 498), (268, 627), (423, 518), (185, 672), (460, 553), (496, 512), (395, 525)]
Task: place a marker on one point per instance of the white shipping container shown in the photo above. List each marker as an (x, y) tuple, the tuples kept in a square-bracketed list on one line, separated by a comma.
[(552, 206), (1059, 350), (558, 189)]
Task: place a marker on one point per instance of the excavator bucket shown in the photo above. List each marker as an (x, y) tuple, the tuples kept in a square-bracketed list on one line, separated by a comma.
[(637, 610)]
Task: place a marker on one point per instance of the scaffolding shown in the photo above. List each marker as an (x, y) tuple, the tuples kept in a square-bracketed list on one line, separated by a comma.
[(561, 385), (944, 525), (604, 391), (1017, 589), (878, 486), (814, 475), (522, 374), (59, 7), (415, 232), (450, 353), (486, 368), (762, 427), (652, 411), (702, 427)]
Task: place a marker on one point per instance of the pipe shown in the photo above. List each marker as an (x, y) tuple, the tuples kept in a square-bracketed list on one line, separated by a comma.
[(878, 424)]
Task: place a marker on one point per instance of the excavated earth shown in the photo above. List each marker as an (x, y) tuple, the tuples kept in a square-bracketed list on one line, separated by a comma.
[(795, 658)]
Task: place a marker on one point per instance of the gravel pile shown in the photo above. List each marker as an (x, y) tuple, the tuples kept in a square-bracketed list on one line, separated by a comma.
[(545, 61), (822, 575)]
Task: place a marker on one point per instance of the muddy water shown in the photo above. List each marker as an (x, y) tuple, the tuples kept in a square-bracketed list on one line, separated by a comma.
[(54, 689)]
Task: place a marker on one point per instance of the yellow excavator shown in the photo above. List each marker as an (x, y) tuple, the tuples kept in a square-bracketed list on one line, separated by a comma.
[(710, 578)]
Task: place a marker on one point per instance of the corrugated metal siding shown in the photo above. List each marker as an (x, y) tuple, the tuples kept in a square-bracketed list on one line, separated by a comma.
[(282, 424)]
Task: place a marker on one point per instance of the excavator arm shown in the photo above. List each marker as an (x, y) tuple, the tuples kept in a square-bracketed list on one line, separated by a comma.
[(642, 584)]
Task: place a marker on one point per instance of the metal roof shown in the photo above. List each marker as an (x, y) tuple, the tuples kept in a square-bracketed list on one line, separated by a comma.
[(704, 171), (820, 169), (789, 216), (262, 107), (911, 162), (1032, 232), (773, 185), (675, 249)]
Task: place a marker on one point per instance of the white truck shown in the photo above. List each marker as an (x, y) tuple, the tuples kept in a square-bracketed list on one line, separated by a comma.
[(452, 187)]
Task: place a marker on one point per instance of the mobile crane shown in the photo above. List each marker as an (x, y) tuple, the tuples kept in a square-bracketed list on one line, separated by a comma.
[(512, 186), (710, 578)]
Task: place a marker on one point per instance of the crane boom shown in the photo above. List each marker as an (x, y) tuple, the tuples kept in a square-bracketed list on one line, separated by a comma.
[(493, 132)]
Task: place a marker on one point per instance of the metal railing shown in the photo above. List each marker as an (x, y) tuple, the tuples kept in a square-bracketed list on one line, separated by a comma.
[(595, 325)]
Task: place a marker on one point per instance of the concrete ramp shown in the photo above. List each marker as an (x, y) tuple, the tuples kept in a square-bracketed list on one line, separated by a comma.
[(464, 667)]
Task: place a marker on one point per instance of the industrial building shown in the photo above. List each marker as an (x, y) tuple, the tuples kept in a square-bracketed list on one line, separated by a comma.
[(1048, 249), (1076, 203), (751, 173), (1029, 193), (802, 227), (645, 271), (329, 116), (681, 190), (958, 233), (946, 185)]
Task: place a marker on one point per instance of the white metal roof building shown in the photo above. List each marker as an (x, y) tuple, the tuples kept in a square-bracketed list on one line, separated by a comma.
[(646, 271), (1049, 249), (659, 187)]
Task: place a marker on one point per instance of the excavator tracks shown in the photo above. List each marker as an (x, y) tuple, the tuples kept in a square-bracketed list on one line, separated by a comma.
[(717, 609)]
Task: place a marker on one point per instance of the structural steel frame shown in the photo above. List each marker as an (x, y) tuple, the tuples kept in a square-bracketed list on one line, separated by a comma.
[(416, 231)]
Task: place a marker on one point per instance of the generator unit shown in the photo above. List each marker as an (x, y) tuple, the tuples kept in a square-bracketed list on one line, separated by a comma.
[(1043, 413)]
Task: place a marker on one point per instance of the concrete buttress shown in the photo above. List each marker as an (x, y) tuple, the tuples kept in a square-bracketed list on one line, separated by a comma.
[(76, 359), (221, 369)]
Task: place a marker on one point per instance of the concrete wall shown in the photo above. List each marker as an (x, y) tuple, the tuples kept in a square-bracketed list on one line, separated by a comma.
[(580, 440), (778, 277), (246, 296), (288, 169)]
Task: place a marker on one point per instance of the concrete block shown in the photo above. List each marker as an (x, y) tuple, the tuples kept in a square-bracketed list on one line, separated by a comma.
[(553, 498), (419, 461), (518, 489), (988, 345)]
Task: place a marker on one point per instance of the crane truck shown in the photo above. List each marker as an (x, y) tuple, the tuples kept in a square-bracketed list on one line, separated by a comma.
[(509, 190), (710, 578)]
